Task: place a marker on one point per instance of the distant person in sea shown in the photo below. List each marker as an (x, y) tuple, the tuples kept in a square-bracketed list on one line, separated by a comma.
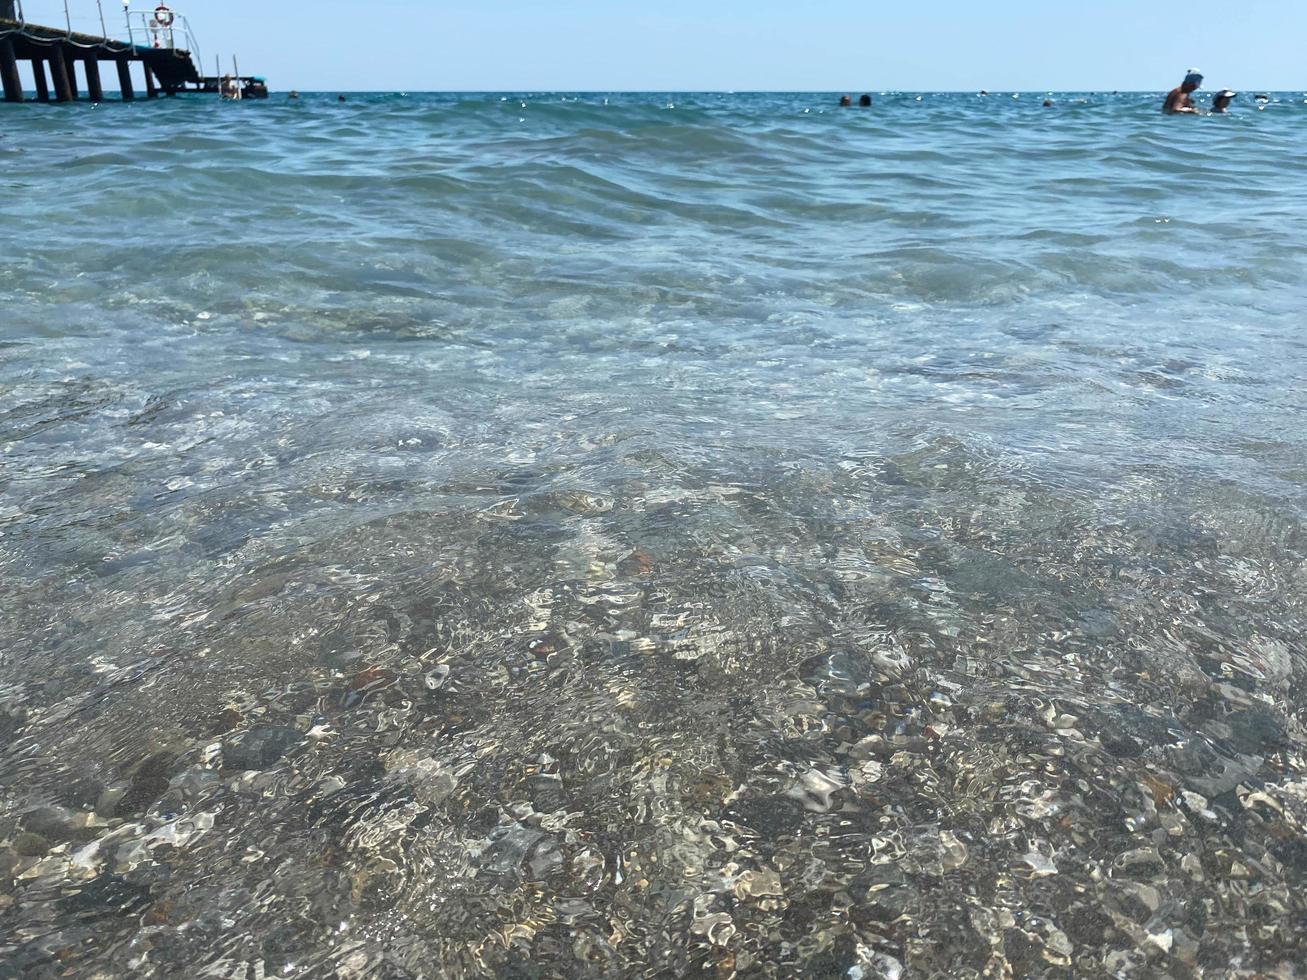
[(340, 98), (1180, 100), (865, 102), (1221, 101), (845, 102), (1048, 103)]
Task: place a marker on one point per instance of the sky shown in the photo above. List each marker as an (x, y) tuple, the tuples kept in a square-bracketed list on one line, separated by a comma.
[(734, 45)]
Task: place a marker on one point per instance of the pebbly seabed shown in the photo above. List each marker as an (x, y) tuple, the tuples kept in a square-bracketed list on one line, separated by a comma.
[(629, 535)]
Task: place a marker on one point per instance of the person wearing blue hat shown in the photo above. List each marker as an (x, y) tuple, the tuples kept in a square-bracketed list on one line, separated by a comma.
[(1180, 100)]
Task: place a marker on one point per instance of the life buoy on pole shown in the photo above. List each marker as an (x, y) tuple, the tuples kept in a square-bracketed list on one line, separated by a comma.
[(164, 16)]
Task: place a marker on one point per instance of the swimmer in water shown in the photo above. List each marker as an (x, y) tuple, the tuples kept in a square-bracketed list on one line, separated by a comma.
[(1180, 100), (845, 102), (1221, 101), (865, 102)]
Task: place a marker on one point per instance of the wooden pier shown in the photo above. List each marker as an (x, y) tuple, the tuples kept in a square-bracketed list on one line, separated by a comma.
[(57, 57)]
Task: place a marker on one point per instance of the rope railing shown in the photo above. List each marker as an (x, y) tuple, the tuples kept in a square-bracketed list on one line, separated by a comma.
[(45, 42)]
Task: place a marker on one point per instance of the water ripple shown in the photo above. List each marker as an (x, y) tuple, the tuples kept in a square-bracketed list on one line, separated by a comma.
[(594, 535)]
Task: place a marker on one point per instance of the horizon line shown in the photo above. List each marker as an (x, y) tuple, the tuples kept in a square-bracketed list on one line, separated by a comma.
[(744, 91)]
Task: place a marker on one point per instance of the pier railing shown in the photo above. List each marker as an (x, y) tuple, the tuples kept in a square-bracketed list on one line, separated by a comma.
[(79, 18), (144, 30)]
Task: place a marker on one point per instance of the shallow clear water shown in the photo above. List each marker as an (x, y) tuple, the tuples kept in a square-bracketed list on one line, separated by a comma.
[(568, 536)]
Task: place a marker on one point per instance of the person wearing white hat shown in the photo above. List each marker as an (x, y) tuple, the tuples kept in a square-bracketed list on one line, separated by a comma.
[(1180, 100), (1221, 101)]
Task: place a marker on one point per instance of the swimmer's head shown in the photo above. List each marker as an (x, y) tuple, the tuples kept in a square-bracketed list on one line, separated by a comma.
[(1222, 99), (1193, 81)]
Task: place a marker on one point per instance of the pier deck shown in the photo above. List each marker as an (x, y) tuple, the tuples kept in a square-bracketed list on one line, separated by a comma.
[(58, 52)]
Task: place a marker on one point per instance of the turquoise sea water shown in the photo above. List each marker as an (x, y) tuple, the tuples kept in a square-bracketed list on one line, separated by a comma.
[(553, 535)]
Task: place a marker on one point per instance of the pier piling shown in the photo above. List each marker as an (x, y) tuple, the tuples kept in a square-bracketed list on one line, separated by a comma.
[(94, 89), (63, 91), (42, 86), (151, 91), (13, 86), (125, 79)]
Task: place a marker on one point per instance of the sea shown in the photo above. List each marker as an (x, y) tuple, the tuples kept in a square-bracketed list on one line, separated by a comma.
[(653, 535)]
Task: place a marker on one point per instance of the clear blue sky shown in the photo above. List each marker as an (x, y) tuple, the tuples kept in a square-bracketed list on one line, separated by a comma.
[(607, 45)]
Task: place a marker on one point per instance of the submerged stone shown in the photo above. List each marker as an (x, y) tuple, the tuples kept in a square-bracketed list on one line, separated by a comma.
[(258, 748)]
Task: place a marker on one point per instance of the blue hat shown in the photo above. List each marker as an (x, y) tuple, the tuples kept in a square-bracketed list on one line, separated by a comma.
[(1195, 78)]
